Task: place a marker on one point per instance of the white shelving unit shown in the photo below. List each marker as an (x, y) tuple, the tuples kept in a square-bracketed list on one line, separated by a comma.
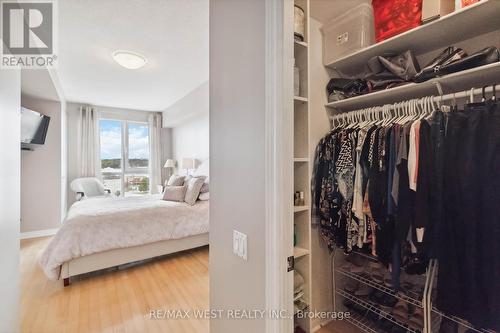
[(302, 168), (474, 77)]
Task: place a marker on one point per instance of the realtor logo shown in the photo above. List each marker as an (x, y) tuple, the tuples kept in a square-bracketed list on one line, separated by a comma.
[(28, 32)]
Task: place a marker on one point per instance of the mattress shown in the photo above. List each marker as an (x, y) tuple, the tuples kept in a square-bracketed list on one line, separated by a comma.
[(102, 224)]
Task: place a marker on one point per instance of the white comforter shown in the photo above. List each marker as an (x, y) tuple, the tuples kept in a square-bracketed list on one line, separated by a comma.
[(101, 224)]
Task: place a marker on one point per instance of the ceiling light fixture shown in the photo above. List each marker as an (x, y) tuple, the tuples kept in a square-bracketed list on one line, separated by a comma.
[(128, 59)]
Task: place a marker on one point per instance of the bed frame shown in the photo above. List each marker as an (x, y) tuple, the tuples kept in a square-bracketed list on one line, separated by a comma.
[(116, 257)]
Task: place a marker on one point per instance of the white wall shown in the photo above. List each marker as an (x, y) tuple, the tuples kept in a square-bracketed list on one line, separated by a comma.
[(189, 121), (41, 172), (237, 159), (191, 140), (191, 106), (10, 137), (319, 126)]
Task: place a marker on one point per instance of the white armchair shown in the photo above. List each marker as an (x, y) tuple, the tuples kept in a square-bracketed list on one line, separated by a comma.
[(88, 187)]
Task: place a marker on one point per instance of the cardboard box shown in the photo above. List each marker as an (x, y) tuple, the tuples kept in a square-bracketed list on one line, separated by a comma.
[(434, 9)]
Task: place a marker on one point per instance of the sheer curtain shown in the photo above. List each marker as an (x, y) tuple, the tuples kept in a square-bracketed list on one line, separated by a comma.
[(155, 166), (88, 143)]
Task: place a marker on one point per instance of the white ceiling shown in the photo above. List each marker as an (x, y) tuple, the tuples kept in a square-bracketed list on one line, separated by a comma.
[(325, 10), (171, 34)]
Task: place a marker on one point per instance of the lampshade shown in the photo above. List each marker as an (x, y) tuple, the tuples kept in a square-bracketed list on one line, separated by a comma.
[(169, 164), (188, 163)]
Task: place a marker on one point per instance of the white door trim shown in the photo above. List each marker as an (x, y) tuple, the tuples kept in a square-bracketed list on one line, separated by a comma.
[(279, 163)]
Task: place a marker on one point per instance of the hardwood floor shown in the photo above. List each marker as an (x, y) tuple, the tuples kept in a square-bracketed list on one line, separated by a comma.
[(115, 301)]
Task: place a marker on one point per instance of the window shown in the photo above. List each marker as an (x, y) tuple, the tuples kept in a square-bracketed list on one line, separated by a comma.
[(125, 156)]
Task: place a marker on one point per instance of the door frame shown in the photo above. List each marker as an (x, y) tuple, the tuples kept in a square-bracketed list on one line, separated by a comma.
[(279, 162)]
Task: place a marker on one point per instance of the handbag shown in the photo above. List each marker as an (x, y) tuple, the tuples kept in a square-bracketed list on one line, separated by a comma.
[(448, 55), (404, 65), (349, 87), (486, 56), (457, 61)]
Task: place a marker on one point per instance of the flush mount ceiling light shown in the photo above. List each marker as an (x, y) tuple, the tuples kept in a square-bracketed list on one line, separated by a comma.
[(128, 59)]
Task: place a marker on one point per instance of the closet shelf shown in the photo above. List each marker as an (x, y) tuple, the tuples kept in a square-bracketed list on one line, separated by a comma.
[(474, 77), (300, 44), (363, 323), (462, 322), (300, 208), (299, 252), (411, 300), (300, 99), (462, 24), (372, 308)]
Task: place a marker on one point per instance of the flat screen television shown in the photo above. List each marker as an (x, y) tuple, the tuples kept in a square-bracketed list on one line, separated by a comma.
[(34, 126)]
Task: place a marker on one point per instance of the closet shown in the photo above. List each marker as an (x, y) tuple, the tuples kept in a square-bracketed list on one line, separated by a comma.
[(335, 274)]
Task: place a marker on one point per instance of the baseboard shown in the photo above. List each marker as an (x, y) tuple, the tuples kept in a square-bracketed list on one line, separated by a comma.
[(38, 233)]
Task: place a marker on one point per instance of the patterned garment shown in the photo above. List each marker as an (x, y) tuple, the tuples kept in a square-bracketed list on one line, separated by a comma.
[(357, 204), (329, 200), (344, 173), (371, 226)]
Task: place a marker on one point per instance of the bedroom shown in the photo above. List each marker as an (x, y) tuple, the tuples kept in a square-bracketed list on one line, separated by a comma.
[(96, 210)]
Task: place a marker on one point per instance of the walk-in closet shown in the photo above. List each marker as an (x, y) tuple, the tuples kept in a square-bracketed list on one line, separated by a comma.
[(396, 162)]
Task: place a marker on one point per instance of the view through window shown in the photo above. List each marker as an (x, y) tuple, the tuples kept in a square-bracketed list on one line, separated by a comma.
[(124, 156)]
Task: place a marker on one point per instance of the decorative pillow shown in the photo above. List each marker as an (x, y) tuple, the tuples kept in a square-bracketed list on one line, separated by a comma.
[(176, 180), (174, 193), (193, 189), (204, 196), (205, 188)]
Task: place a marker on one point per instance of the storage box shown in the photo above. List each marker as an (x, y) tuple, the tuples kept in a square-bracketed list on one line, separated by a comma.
[(348, 33), (393, 17), (433, 9), (464, 3)]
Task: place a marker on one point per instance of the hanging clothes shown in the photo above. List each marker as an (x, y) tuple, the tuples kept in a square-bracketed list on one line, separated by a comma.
[(430, 183), (469, 255)]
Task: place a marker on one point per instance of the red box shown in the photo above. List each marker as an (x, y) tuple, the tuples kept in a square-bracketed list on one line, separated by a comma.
[(393, 17)]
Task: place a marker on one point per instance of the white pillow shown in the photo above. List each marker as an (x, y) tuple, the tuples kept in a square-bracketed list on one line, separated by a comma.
[(174, 193), (194, 185), (175, 180), (204, 196)]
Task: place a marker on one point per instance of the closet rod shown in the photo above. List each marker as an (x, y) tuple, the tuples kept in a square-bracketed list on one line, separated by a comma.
[(464, 94), (439, 98)]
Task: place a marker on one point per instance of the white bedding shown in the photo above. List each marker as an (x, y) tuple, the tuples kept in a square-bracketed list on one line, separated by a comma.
[(101, 224)]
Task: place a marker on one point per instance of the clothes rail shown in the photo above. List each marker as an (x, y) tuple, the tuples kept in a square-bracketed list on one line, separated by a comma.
[(470, 93)]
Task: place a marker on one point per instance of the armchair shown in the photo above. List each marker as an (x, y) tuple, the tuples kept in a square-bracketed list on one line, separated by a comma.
[(88, 187)]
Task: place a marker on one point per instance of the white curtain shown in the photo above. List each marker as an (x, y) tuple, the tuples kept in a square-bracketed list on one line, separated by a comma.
[(155, 157), (88, 143)]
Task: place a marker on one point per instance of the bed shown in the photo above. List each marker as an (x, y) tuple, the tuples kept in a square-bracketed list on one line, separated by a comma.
[(105, 232)]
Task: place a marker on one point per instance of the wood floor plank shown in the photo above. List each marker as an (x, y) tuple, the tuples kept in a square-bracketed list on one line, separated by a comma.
[(114, 301)]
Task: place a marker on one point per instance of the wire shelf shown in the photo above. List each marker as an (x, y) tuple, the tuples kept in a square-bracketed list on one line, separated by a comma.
[(381, 287), (460, 321), (373, 308), (363, 323)]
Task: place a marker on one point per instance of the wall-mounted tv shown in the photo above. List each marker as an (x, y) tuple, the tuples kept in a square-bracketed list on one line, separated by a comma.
[(34, 126)]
